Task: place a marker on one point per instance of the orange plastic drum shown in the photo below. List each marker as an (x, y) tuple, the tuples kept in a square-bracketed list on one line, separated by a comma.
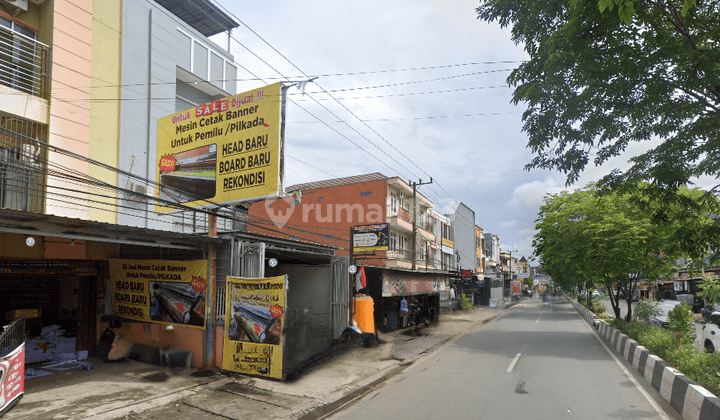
[(364, 317)]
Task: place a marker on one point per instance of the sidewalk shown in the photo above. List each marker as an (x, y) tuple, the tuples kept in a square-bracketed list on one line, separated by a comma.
[(139, 391)]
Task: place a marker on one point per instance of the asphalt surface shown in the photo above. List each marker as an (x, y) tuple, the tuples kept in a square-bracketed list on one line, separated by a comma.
[(623, 308), (537, 361)]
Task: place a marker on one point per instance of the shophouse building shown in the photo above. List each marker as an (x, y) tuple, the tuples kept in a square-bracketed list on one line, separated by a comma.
[(462, 220), (326, 211), (493, 266), (82, 87), (479, 249)]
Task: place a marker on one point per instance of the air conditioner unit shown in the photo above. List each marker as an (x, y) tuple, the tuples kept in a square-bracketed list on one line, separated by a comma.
[(140, 189), (140, 195), (20, 4)]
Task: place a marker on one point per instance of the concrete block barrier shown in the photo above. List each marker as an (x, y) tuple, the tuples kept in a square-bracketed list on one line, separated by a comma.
[(691, 400)]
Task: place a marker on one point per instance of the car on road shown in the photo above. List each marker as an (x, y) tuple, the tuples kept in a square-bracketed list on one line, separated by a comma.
[(708, 311), (595, 293), (664, 307), (710, 333)]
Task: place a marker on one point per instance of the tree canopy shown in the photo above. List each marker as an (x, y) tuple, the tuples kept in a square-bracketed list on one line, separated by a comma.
[(609, 239), (605, 73)]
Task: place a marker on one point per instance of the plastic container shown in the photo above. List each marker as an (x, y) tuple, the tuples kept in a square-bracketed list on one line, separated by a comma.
[(364, 316)]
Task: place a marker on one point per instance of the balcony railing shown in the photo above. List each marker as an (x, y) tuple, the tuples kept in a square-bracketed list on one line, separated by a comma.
[(427, 226), (22, 62), (399, 254)]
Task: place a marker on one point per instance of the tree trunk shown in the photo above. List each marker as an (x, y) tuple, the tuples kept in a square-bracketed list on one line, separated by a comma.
[(615, 302), (628, 317)]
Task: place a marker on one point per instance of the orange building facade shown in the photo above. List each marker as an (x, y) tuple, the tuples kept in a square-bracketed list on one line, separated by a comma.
[(325, 211)]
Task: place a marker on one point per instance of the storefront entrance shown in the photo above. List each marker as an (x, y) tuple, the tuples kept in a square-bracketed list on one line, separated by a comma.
[(59, 310)]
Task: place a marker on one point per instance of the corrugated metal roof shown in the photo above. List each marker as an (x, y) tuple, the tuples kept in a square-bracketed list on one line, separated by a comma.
[(356, 179), (34, 224), (203, 15)]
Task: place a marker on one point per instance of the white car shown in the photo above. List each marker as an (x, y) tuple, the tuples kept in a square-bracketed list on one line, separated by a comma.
[(710, 333), (664, 307), (595, 293)]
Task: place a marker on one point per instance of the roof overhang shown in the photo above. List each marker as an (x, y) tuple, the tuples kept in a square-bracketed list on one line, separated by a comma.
[(408, 270), (33, 224), (203, 15), (311, 251)]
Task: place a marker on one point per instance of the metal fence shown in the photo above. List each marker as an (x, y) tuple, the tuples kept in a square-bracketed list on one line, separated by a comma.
[(12, 336)]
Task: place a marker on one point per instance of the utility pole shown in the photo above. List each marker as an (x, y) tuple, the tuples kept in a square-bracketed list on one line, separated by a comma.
[(414, 222)]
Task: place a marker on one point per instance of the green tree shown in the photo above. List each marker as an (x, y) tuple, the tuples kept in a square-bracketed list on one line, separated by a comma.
[(607, 239), (646, 309), (710, 289), (681, 322), (603, 74)]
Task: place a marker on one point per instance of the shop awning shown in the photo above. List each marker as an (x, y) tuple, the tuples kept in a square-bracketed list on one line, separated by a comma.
[(37, 225)]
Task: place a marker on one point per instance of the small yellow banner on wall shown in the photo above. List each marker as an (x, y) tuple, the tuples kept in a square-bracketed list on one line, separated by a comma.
[(160, 291), (254, 320)]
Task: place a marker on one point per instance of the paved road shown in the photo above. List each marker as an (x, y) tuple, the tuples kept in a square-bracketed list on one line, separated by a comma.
[(623, 308), (538, 361)]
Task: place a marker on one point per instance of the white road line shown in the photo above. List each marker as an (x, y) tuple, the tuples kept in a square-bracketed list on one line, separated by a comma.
[(537, 320), (645, 394), (514, 362)]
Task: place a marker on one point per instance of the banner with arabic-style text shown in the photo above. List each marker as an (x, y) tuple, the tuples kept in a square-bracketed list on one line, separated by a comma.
[(254, 320)]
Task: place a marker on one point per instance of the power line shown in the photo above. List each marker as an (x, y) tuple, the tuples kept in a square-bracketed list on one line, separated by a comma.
[(302, 72), (419, 118), (173, 99), (356, 73)]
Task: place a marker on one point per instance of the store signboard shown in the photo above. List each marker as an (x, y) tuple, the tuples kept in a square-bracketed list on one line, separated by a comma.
[(160, 291), (371, 238), (12, 377), (254, 321), (226, 151)]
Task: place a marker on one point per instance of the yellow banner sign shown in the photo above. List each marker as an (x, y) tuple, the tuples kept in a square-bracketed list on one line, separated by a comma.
[(221, 152), (254, 320), (160, 291), (448, 242)]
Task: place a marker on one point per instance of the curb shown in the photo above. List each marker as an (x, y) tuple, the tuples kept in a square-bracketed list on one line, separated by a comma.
[(371, 383), (691, 400)]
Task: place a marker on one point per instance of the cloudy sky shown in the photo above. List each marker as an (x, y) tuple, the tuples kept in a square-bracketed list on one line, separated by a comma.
[(417, 89)]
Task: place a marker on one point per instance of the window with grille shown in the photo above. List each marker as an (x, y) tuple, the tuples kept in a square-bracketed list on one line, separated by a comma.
[(21, 176), (20, 57)]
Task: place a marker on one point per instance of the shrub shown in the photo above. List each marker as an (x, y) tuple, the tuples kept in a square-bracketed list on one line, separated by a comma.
[(592, 304), (646, 309), (465, 303), (680, 322), (701, 367), (597, 308)]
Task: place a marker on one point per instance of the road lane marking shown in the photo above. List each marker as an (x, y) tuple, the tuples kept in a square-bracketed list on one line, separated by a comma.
[(514, 362), (645, 394), (537, 320)]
